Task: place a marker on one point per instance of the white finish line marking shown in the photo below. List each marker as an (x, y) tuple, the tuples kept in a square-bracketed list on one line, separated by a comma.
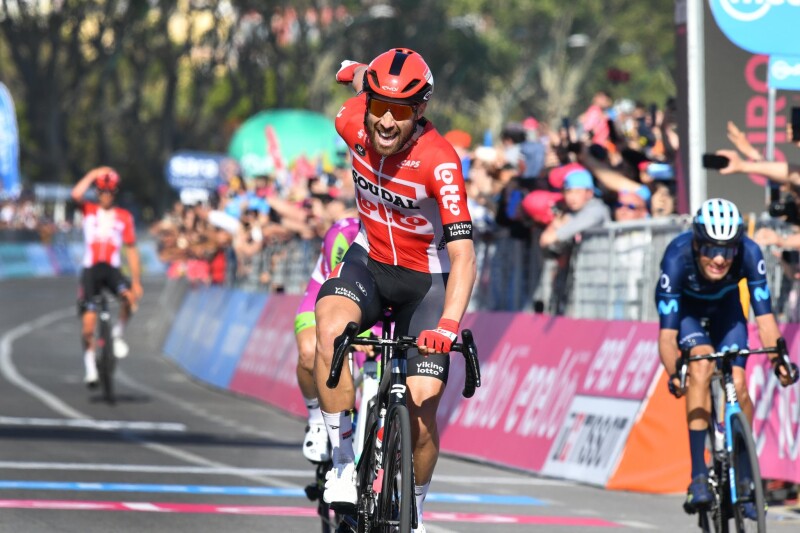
[(90, 423)]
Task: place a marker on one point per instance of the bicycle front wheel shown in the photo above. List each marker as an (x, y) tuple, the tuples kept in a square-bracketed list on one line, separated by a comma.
[(106, 361), (394, 503), (747, 477)]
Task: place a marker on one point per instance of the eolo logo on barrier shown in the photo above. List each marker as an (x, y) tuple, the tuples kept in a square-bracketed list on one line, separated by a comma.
[(759, 26)]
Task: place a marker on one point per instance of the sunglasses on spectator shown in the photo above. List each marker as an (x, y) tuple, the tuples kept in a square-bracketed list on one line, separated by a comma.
[(711, 251), (632, 207), (378, 108)]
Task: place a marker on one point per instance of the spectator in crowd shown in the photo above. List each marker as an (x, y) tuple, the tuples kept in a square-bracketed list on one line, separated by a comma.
[(583, 211), (594, 121), (630, 205), (532, 150)]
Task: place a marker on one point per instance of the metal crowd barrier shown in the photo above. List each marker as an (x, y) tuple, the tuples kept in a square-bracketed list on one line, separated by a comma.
[(614, 270), (611, 275)]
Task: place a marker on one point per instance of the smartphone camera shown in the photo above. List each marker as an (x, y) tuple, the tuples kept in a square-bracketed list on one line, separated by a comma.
[(795, 124), (715, 162)]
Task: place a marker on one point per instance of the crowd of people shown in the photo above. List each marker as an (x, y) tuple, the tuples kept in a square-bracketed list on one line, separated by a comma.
[(531, 192)]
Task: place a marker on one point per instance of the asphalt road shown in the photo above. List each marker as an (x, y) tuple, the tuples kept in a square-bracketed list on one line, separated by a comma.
[(175, 455)]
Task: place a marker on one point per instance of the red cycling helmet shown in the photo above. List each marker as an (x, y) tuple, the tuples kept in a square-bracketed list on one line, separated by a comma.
[(401, 75), (109, 181)]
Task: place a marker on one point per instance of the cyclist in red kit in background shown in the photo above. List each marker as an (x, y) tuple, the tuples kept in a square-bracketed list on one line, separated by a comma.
[(414, 252), (106, 229)]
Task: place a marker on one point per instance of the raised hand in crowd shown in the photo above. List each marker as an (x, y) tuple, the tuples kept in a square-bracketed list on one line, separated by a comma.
[(739, 140)]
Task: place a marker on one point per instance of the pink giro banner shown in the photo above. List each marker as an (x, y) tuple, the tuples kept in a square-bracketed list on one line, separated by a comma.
[(267, 368), (533, 373), (776, 420)]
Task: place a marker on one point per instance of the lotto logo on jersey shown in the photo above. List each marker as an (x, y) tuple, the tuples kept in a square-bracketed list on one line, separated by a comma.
[(449, 191)]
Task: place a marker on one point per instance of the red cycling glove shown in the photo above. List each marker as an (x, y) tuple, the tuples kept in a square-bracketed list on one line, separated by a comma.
[(440, 339), (347, 71)]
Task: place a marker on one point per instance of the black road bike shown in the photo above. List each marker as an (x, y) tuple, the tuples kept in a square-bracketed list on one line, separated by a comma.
[(104, 349), (385, 473)]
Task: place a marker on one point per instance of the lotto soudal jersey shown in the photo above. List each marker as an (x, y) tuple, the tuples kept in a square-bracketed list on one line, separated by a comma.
[(682, 289), (412, 203), (104, 233)]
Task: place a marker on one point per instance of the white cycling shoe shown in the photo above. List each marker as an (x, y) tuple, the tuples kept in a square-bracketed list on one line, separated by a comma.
[(121, 348), (420, 529), (315, 444), (340, 488)]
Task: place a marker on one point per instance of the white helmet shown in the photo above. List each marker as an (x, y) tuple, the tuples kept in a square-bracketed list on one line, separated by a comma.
[(718, 222)]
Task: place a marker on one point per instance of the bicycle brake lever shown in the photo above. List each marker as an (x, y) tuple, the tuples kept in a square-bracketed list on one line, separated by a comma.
[(341, 345), (469, 350)]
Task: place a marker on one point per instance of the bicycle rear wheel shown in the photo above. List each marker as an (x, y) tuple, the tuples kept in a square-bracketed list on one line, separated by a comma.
[(394, 503), (747, 476), (106, 361)]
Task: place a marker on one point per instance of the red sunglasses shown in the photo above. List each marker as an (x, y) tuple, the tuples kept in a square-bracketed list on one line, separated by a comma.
[(378, 108)]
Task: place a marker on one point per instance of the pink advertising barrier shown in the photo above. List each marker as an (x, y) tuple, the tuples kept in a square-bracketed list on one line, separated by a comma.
[(776, 420), (540, 376), (268, 364)]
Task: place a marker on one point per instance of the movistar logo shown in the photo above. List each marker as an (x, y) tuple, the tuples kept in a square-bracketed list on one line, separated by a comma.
[(751, 10), (761, 294), (667, 308)]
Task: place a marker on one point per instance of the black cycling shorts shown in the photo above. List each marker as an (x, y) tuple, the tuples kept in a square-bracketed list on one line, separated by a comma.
[(96, 278), (416, 299)]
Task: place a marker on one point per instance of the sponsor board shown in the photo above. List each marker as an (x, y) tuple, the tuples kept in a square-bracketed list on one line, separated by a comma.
[(176, 341), (591, 439), (776, 417), (267, 367), (239, 317), (531, 376)]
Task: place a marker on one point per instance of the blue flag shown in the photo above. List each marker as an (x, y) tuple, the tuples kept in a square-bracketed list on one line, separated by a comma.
[(9, 147)]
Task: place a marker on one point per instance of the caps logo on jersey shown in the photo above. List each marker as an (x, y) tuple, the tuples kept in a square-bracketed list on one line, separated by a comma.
[(360, 150)]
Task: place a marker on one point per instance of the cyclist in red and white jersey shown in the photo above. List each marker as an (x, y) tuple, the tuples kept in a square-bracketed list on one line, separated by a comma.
[(414, 253), (106, 230)]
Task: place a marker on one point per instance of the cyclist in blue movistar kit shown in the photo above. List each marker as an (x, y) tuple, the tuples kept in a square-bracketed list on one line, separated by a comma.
[(700, 309)]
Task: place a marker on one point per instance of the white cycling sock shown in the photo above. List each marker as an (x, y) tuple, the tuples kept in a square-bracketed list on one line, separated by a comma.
[(420, 491), (314, 412), (88, 360), (118, 330), (340, 432)]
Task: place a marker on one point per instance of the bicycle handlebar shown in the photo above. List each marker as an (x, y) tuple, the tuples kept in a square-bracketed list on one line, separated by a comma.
[(467, 348), (781, 361)]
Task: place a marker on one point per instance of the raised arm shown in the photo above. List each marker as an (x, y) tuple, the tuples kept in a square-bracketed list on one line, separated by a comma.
[(777, 171), (80, 188), (352, 73)]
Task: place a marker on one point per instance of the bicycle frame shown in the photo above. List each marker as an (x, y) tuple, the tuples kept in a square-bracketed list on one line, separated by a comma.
[(388, 405), (730, 408)]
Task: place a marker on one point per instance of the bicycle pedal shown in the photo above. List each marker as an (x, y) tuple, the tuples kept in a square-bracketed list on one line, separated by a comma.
[(312, 492), (343, 507)]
